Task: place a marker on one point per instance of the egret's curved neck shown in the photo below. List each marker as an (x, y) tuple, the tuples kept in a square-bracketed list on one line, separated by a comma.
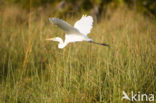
[(62, 44)]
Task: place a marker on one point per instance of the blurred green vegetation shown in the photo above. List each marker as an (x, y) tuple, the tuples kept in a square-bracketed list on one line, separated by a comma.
[(143, 6), (33, 70)]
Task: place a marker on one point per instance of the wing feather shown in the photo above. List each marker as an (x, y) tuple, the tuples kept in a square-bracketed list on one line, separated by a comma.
[(84, 25), (64, 26)]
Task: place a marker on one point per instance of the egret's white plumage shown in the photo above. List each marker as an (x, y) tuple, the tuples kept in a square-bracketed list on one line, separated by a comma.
[(84, 25), (74, 34)]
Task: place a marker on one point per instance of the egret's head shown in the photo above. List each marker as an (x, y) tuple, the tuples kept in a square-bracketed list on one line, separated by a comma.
[(61, 44)]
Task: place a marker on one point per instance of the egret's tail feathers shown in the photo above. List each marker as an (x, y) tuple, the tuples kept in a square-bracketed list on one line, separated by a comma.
[(103, 44)]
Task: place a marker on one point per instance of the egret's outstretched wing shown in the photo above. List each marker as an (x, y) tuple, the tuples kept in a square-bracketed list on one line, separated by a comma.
[(84, 25), (64, 25)]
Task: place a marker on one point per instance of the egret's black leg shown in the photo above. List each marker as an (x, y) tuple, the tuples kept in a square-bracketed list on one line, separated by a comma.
[(99, 43)]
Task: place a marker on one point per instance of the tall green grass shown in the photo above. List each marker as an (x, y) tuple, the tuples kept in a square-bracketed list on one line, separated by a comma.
[(33, 70)]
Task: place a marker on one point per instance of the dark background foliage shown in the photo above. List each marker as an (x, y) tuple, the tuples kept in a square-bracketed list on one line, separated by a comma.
[(147, 7)]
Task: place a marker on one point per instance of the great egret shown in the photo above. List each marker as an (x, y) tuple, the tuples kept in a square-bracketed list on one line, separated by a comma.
[(74, 34)]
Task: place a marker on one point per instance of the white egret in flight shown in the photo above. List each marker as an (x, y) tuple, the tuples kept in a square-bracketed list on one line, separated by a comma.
[(74, 34)]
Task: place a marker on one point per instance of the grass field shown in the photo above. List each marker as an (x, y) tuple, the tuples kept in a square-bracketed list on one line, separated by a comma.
[(33, 70)]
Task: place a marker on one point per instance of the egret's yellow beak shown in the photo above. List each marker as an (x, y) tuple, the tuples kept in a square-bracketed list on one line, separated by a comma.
[(53, 39)]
